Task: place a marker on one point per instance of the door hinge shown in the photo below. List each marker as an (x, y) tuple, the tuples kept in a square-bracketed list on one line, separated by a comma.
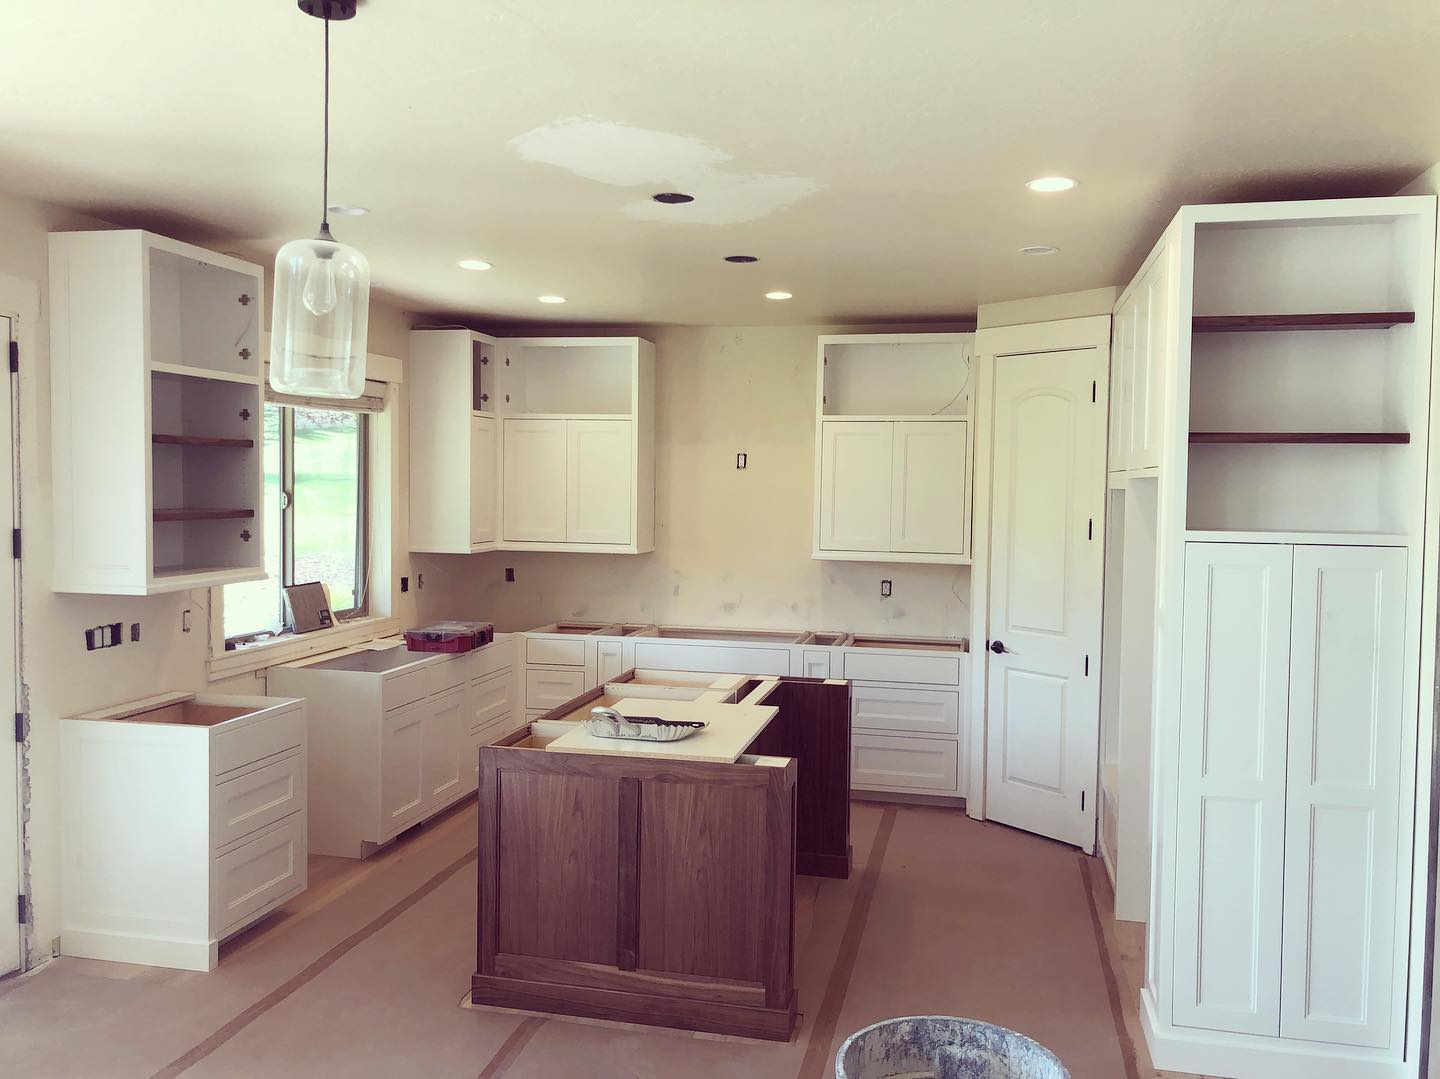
[(14, 543), (14, 355), (22, 723), (1090, 529), (1087, 666), (1094, 387), (1082, 801), (22, 908)]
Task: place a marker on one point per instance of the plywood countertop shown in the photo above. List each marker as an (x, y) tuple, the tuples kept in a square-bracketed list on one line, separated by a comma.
[(730, 729)]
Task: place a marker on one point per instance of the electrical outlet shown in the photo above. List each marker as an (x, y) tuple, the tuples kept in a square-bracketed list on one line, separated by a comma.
[(741, 459), (509, 573), (117, 634), (185, 621), (885, 588), (419, 581), (404, 584), (134, 631)]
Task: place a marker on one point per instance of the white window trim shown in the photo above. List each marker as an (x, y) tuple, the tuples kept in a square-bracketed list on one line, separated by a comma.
[(285, 648)]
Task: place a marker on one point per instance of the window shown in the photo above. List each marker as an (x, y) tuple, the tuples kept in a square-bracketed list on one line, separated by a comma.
[(315, 519)]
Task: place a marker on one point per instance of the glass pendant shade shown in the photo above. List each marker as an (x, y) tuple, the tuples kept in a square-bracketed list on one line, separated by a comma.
[(320, 319)]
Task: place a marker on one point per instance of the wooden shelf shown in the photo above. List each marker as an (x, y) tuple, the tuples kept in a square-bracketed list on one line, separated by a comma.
[(213, 374), (1327, 438), (162, 516), (203, 440), (1340, 320)]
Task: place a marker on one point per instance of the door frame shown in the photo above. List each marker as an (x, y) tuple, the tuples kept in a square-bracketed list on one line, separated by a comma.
[(992, 345)]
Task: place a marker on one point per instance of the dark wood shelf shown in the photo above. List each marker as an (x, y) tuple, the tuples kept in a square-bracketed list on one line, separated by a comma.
[(1358, 438), (202, 515), (1340, 320), (203, 440)]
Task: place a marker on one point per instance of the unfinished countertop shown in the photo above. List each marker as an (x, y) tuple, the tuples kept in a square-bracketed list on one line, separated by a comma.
[(730, 728)]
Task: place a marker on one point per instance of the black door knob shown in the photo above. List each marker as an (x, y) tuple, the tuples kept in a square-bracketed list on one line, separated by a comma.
[(998, 647)]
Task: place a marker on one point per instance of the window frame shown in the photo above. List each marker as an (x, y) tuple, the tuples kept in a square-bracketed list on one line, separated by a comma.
[(286, 509)]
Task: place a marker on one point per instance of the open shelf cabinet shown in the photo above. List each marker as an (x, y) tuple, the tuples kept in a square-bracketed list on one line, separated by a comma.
[(157, 414)]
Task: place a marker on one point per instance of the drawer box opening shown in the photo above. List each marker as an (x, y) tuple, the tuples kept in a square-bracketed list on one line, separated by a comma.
[(912, 644), (738, 636)]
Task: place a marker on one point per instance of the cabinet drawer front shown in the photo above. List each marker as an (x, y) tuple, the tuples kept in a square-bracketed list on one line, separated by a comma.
[(448, 674), (923, 711), (568, 653), (493, 658), (551, 689), (880, 667), (402, 689), (723, 659), (255, 741), (904, 764), (255, 799), (489, 700), (258, 874)]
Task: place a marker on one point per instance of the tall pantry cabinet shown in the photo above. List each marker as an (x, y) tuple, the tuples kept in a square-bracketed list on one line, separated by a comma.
[(1293, 644)]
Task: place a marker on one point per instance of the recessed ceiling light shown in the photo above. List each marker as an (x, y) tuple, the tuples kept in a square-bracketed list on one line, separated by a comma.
[(673, 198), (474, 264), (551, 299), (778, 294), (741, 258), (341, 210), (1051, 183), (1039, 249)]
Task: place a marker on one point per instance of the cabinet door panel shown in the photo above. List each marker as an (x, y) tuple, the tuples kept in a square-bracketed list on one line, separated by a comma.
[(1122, 336), (402, 787), (1231, 794), (1148, 412), (447, 722), (600, 472), (1342, 833), (535, 480), (855, 483), (482, 480), (929, 489)]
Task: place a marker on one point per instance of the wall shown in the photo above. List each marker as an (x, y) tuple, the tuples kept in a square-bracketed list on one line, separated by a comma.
[(732, 548), (60, 677)]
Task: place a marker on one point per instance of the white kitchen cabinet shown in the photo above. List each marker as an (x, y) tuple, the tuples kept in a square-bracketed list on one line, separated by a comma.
[(598, 481), (1142, 353), (183, 821), (903, 765), (454, 459), (395, 734), (535, 480), (155, 413), (893, 454)]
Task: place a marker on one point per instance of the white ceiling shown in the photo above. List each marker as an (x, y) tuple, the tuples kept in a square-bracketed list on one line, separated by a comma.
[(871, 152)]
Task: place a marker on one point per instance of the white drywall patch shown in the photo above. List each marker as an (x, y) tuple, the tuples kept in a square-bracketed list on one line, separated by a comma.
[(624, 156)]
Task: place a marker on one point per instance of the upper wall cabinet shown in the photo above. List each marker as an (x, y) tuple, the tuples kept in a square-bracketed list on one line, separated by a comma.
[(156, 414), (578, 420), (1142, 352), (893, 447), (454, 445)]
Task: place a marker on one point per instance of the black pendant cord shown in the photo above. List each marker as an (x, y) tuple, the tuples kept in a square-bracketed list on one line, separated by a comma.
[(325, 167)]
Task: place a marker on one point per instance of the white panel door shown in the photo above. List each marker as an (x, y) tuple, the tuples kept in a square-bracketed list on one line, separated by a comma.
[(929, 487), (482, 479), (1046, 564), (855, 480), (1230, 816), (402, 756), (443, 745), (598, 504), (535, 480), (10, 757), (1342, 827)]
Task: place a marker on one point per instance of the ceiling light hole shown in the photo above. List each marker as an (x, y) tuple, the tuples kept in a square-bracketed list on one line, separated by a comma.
[(1039, 249), (1047, 184), (779, 294), (673, 198), (741, 258), (474, 264), (551, 299)]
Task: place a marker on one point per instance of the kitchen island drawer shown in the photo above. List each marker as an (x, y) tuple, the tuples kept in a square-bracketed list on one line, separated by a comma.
[(567, 653), (258, 874), (923, 765), (919, 711), (551, 689), (880, 666), (257, 798)]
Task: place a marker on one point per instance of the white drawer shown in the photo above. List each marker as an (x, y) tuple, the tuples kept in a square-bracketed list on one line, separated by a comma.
[(551, 689), (935, 670), (279, 730), (257, 798), (565, 653), (887, 762), (402, 689), (921, 711), (717, 658), (815, 664), (447, 674), (489, 700), (257, 875), (493, 658)]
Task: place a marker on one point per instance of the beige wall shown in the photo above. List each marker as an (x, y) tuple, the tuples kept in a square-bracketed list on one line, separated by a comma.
[(59, 676), (732, 548)]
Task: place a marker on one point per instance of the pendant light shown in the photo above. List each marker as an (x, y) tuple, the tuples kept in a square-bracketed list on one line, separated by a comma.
[(321, 313)]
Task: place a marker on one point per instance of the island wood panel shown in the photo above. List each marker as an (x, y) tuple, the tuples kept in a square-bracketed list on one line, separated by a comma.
[(813, 726), (699, 860)]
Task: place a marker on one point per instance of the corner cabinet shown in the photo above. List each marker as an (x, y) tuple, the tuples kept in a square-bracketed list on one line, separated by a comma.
[(893, 455), (156, 414), (531, 444)]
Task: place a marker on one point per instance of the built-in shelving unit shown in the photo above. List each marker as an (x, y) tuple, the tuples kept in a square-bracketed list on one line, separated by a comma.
[(1339, 320), (156, 414), (1308, 438), (892, 462)]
